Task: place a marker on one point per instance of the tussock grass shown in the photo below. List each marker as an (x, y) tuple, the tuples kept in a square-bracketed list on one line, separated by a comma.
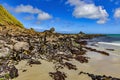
[(7, 19)]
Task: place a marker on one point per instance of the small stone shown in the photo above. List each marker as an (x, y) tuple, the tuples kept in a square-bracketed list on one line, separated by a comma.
[(24, 70)]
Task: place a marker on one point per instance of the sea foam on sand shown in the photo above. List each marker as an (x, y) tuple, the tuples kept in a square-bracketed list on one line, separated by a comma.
[(107, 43)]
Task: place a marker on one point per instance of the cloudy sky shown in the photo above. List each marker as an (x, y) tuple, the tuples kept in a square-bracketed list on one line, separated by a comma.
[(90, 16)]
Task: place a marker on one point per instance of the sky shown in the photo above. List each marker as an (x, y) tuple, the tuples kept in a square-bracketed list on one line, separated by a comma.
[(73, 16)]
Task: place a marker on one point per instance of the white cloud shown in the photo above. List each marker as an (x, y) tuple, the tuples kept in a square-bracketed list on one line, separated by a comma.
[(41, 15), (83, 9), (27, 9), (101, 21), (44, 16), (117, 13)]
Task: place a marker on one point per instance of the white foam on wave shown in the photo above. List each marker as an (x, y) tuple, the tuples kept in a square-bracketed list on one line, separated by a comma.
[(107, 43)]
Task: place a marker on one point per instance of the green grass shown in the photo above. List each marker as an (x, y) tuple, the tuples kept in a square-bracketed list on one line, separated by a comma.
[(2, 79), (7, 18)]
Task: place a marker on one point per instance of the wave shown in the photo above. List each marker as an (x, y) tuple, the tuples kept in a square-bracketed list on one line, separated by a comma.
[(107, 43)]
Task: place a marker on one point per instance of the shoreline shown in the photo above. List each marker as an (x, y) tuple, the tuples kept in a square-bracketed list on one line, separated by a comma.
[(98, 64), (107, 43), (53, 56)]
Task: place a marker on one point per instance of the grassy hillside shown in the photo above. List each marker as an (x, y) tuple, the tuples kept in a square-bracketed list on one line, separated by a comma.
[(7, 19)]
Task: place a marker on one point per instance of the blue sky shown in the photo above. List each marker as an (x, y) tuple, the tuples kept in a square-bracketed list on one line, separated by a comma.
[(89, 16)]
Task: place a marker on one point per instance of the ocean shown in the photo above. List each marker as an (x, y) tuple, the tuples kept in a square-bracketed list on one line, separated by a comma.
[(109, 39)]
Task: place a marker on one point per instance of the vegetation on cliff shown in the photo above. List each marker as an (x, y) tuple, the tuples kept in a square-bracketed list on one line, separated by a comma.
[(7, 19)]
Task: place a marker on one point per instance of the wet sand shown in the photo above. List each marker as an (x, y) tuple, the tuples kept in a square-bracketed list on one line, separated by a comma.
[(98, 64)]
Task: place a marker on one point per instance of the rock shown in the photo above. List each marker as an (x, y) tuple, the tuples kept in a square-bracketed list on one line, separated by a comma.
[(14, 41), (110, 49), (13, 72), (4, 52), (84, 77), (8, 46), (78, 52), (21, 45), (33, 61), (70, 66), (97, 77), (95, 50), (58, 75), (82, 59), (83, 42), (24, 70), (2, 42)]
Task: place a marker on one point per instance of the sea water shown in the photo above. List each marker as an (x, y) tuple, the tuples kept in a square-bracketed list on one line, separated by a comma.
[(112, 39), (109, 39)]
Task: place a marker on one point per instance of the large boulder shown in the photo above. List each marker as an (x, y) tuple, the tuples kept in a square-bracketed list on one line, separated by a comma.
[(4, 52), (21, 45)]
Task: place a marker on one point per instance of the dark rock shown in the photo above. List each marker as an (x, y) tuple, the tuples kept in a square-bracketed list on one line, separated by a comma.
[(58, 75), (98, 77), (82, 59), (110, 49), (13, 73), (77, 51), (80, 73), (101, 52), (70, 66), (24, 70), (33, 61), (57, 67), (82, 42)]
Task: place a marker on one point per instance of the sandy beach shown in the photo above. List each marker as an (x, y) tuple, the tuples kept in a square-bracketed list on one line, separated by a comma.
[(59, 40), (98, 64)]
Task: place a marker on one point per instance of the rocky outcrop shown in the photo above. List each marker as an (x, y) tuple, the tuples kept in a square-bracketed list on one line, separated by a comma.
[(98, 77), (50, 46), (21, 45)]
